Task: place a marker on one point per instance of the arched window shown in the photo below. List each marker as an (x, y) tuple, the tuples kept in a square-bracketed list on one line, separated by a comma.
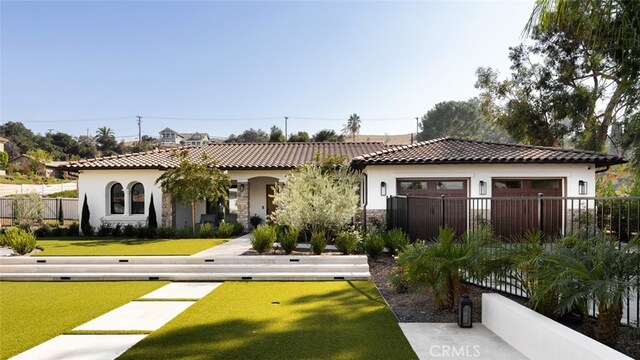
[(137, 199), (116, 198)]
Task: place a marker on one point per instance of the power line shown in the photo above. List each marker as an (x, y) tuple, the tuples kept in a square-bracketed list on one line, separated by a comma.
[(70, 120)]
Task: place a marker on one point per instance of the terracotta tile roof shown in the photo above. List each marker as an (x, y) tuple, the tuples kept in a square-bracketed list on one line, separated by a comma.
[(459, 151), (233, 155)]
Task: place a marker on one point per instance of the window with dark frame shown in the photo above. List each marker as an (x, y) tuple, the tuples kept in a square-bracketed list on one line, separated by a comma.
[(137, 199), (116, 198)]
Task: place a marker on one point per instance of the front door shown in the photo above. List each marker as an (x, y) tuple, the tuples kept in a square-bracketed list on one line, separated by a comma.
[(270, 207)]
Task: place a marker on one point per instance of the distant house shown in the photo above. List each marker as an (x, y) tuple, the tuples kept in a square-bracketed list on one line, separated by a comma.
[(53, 169), (170, 137)]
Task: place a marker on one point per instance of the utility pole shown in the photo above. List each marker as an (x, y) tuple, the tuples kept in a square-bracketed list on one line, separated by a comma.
[(417, 128), (286, 135), (139, 130)]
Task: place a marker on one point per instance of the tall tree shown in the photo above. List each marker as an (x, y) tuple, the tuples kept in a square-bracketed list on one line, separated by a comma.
[(559, 87), (327, 136), (192, 181), (301, 136), (21, 138), (463, 119), (352, 127), (250, 136), (106, 139), (276, 135)]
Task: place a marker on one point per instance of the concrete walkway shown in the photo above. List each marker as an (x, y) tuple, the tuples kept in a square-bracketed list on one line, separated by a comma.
[(448, 341), (233, 247), (143, 316)]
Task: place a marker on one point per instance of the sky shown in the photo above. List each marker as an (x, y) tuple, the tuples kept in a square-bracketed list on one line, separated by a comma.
[(223, 67)]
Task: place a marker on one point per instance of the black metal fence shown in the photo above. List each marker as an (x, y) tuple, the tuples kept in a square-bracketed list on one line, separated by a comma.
[(511, 217), (50, 206)]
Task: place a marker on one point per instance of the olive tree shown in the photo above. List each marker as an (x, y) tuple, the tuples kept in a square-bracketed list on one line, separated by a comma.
[(192, 181), (320, 196)]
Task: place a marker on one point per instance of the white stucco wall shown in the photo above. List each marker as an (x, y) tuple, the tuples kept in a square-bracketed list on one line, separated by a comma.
[(571, 173), (96, 184)]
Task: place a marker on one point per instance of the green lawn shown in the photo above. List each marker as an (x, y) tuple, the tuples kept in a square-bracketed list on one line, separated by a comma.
[(313, 320), (117, 247), (33, 312)]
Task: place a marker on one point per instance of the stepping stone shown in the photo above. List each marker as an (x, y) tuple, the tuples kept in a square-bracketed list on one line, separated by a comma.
[(182, 291), (81, 347), (138, 315)]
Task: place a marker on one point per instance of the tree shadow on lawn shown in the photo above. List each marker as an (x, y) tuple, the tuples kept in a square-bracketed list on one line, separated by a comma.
[(105, 242), (343, 329)]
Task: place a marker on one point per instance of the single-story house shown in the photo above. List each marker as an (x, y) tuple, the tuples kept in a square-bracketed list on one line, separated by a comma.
[(53, 168), (119, 188)]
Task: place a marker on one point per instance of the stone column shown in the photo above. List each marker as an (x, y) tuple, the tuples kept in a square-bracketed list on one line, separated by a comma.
[(168, 211), (242, 203)]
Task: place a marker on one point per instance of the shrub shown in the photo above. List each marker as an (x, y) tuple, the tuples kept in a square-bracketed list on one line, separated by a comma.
[(117, 230), (85, 224), (185, 233), (57, 231), (166, 232), (255, 220), (153, 218), (142, 231), (289, 239), (60, 213), (395, 240), (225, 229), (347, 241), (73, 229), (237, 228), (263, 238), (129, 231), (206, 231), (22, 241), (373, 245), (28, 210), (104, 229), (399, 280), (43, 231), (318, 242)]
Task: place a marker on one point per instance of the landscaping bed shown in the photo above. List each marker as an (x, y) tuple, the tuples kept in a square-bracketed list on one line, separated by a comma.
[(418, 305)]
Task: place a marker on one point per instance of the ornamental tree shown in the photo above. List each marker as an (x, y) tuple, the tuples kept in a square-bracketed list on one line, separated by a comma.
[(318, 197), (193, 181)]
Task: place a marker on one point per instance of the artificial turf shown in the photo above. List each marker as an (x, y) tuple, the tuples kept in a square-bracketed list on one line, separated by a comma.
[(122, 247), (33, 312), (281, 320)]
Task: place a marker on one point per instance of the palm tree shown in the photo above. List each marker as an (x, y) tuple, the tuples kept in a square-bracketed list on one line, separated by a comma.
[(191, 181), (103, 134), (353, 126), (442, 265), (593, 272)]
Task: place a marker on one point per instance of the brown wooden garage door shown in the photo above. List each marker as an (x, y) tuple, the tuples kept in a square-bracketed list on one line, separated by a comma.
[(514, 206), (425, 205)]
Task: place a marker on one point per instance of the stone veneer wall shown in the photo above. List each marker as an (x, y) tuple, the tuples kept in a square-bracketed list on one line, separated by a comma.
[(168, 211), (242, 203), (376, 219)]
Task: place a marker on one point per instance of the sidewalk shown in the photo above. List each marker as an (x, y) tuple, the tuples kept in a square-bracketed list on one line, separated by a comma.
[(449, 341), (233, 247)]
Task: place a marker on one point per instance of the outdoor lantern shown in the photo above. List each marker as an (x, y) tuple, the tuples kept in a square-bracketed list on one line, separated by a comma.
[(383, 189), (483, 187), (241, 188), (465, 312), (582, 187)]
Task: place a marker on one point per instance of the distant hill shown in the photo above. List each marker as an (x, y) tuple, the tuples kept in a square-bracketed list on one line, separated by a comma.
[(402, 139)]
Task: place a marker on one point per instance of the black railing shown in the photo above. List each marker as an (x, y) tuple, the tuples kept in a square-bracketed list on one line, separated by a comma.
[(512, 217)]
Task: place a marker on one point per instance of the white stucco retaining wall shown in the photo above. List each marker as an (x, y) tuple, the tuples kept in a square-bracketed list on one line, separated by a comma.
[(571, 173), (538, 337), (96, 184)]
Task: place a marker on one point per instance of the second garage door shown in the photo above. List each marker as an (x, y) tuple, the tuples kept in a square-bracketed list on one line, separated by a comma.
[(515, 206)]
